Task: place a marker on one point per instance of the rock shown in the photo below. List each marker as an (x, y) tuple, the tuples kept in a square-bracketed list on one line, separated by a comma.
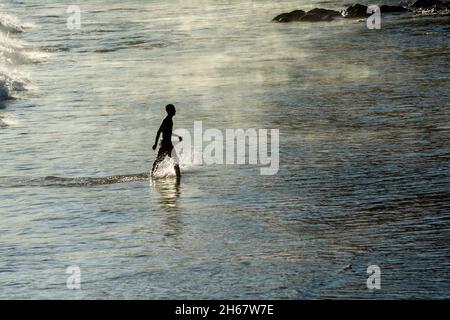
[(4, 88), (290, 16), (436, 5), (358, 11), (392, 9), (355, 11), (319, 14), (425, 3)]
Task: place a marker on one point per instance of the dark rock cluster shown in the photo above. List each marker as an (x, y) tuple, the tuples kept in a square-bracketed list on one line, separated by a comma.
[(313, 15), (433, 6), (319, 14), (290, 16), (355, 11), (358, 11)]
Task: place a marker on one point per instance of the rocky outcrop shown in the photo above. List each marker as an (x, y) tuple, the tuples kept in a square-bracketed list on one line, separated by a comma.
[(427, 4), (431, 5), (290, 16), (359, 11), (355, 11), (392, 9), (319, 14), (314, 15)]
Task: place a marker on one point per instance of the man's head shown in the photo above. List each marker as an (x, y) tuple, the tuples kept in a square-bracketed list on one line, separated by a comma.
[(171, 110)]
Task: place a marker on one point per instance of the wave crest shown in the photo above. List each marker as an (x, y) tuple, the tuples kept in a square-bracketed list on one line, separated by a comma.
[(11, 24), (9, 84), (13, 53)]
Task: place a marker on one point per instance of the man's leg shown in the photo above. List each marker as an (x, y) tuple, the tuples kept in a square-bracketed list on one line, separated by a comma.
[(177, 171), (161, 155), (174, 156)]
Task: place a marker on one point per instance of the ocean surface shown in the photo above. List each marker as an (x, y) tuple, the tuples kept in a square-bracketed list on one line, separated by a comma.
[(364, 179)]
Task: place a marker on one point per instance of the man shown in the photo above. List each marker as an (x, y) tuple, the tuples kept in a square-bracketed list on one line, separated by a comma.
[(166, 148)]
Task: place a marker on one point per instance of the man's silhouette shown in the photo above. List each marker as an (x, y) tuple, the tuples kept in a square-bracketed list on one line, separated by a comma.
[(166, 148)]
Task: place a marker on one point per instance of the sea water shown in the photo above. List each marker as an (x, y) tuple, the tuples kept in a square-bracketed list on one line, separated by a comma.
[(364, 174)]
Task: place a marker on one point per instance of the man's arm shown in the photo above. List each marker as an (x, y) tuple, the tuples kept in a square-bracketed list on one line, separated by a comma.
[(157, 136), (179, 137)]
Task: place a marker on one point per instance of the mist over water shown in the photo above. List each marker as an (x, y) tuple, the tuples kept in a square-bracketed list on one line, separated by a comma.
[(364, 155)]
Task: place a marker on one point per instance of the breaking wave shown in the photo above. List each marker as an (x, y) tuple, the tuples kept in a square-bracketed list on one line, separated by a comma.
[(10, 24), (13, 53)]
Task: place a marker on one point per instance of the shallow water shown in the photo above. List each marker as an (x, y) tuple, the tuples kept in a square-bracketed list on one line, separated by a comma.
[(364, 176)]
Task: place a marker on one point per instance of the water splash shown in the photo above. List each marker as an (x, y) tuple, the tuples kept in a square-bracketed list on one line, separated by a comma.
[(7, 120), (167, 167), (13, 53), (11, 24)]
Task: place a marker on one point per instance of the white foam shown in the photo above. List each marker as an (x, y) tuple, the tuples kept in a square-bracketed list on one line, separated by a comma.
[(8, 120), (167, 167), (13, 53), (11, 24)]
